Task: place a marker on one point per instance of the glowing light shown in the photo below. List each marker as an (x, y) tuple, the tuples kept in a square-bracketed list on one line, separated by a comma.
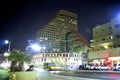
[(6, 41), (106, 46), (5, 65), (35, 47), (6, 54), (111, 37), (44, 48), (114, 58)]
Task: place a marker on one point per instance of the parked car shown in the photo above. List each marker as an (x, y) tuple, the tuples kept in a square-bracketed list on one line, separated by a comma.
[(91, 67), (116, 67), (102, 67)]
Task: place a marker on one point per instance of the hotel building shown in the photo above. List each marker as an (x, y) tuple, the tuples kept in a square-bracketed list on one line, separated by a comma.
[(59, 38), (53, 34)]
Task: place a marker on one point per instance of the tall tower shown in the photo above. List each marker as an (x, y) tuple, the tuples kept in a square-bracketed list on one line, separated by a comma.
[(52, 35)]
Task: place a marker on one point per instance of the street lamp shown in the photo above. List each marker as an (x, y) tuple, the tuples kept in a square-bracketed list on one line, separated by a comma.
[(9, 44), (6, 54)]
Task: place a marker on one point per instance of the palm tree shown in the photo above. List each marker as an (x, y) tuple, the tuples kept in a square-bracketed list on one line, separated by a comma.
[(17, 59)]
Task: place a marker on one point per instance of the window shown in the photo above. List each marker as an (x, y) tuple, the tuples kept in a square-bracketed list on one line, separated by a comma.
[(117, 35), (103, 39), (96, 40), (102, 29), (110, 28)]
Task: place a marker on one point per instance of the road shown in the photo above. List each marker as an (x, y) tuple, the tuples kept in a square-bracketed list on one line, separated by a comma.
[(94, 75), (72, 75), (55, 76), (79, 75)]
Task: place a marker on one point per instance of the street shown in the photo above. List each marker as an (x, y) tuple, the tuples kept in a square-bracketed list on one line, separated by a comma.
[(53, 75), (94, 75), (73, 75), (79, 75)]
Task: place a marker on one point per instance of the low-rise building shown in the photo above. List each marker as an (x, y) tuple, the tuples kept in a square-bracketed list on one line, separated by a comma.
[(105, 45)]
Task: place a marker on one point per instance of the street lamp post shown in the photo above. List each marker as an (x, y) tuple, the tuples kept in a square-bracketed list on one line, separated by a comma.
[(9, 44), (6, 54)]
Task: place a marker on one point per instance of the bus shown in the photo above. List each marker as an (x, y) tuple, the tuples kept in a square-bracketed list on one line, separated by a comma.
[(49, 66)]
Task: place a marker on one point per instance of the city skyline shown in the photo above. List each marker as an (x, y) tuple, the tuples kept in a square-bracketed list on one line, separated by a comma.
[(21, 20)]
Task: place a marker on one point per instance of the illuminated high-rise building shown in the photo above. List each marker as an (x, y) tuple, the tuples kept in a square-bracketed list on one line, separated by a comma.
[(59, 41), (53, 35)]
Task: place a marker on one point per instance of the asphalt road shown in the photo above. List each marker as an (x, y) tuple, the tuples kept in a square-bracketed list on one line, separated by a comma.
[(72, 75), (95, 75), (53, 75), (79, 75)]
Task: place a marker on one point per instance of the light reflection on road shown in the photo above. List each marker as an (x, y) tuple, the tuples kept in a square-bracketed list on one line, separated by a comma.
[(78, 75), (51, 76), (115, 76), (55, 71)]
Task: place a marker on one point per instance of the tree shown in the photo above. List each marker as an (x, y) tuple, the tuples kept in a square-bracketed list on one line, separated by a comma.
[(77, 49), (17, 59)]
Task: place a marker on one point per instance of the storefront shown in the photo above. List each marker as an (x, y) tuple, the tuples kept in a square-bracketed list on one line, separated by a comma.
[(104, 57)]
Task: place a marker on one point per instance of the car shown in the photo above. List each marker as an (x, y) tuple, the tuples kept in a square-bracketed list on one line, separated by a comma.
[(116, 67), (102, 67), (91, 67)]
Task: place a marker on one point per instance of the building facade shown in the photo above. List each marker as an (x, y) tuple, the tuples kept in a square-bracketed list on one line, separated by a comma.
[(59, 39), (53, 35), (102, 37), (60, 59), (107, 35), (106, 42)]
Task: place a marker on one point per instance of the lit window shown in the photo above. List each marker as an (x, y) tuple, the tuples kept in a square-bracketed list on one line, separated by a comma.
[(106, 46), (111, 37)]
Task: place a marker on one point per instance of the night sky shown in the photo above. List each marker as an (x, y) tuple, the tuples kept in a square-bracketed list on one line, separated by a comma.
[(20, 20)]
